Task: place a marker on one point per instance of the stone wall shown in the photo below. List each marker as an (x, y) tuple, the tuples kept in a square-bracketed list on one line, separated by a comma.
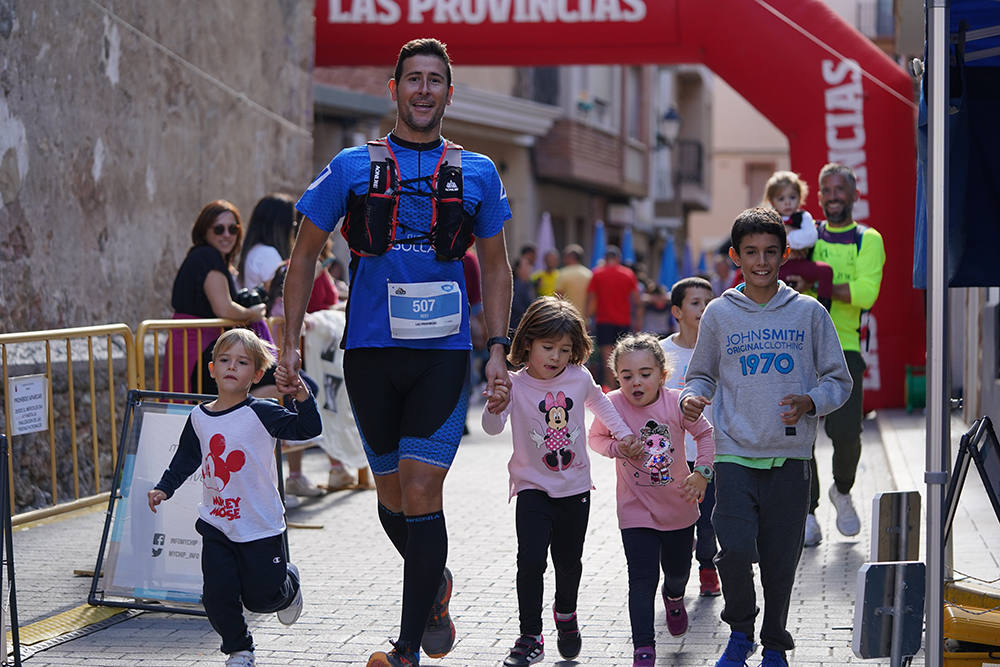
[(119, 120)]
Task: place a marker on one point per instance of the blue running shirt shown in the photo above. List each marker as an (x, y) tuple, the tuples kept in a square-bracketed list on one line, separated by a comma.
[(325, 203)]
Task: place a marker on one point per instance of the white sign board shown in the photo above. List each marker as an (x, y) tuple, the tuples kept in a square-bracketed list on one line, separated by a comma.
[(28, 409), (155, 556)]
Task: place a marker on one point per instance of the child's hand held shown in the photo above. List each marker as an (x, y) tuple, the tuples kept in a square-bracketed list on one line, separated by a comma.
[(287, 383), (497, 395), (693, 406), (630, 446), (693, 488)]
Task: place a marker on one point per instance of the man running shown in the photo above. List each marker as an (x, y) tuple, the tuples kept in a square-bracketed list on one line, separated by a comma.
[(412, 203)]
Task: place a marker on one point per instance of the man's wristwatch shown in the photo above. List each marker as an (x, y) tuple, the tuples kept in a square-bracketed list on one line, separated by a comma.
[(499, 340), (705, 472)]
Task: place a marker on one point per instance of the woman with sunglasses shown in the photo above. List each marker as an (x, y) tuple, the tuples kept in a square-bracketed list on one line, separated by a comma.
[(204, 288)]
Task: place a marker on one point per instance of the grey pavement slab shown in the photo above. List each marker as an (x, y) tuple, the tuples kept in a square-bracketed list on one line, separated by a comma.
[(352, 576)]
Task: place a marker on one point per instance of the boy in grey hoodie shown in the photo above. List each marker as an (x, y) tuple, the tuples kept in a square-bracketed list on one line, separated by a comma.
[(769, 361)]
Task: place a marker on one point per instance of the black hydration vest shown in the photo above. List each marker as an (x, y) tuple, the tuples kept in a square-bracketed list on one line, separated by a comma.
[(372, 219)]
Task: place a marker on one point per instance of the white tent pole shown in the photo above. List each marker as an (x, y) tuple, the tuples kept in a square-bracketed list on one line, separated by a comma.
[(938, 394)]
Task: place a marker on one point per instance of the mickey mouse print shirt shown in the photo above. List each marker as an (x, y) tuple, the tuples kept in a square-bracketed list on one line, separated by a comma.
[(233, 454)]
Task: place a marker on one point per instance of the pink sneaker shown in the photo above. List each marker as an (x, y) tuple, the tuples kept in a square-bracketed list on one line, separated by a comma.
[(644, 656), (677, 617)]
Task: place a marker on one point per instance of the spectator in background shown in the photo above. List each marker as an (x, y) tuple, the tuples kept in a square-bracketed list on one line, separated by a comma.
[(263, 261), (613, 300), (524, 291), (723, 270), (573, 278), (545, 280), (336, 270), (205, 287), (857, 254), (656, 310), (529, 251)]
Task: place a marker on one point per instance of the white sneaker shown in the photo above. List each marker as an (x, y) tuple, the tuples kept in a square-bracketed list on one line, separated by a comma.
[(848, 522), (813, 534), (339, 479), (301, 486), (291, 613), (241, 659)]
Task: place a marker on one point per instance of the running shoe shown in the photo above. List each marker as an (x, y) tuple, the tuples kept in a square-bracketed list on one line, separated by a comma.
[(709, 583), (644, 656), (568, 639), (526, 651), (813, 533), (439, 633), (739, 648), (773, 658), (291, 613), (339, 478), (395, 658), (301, 486), (848, 522), (240, 659), (677, 616)]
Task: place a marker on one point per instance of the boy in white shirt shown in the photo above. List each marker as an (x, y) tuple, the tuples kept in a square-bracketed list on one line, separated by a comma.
[(688, 299), (241, 516)]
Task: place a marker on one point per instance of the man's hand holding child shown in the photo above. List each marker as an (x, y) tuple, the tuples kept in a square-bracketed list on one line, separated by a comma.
[(497, 396)]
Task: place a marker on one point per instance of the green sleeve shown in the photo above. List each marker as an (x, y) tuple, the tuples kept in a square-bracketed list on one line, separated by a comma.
[(868, 279)]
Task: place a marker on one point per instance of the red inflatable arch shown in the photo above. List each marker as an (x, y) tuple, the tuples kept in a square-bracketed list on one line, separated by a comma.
[(829, 89)]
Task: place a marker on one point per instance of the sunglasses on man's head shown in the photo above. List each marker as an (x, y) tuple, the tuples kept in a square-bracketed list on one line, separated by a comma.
[(218, 230)]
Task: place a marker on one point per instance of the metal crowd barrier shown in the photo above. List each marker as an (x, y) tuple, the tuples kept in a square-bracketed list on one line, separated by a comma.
[(200, 329), (39, 353), (88, 420)]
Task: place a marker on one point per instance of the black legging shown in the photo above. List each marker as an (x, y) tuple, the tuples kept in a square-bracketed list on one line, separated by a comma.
[(544, 523), (647, 550)]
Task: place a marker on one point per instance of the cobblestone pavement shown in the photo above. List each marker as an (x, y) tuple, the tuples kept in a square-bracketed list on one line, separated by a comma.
[(352, 576)]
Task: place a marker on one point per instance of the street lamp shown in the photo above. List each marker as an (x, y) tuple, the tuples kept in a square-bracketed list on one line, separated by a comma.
[(668, 126)]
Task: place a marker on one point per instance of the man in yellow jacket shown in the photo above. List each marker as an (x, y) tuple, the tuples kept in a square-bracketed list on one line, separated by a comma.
[(857, 254)]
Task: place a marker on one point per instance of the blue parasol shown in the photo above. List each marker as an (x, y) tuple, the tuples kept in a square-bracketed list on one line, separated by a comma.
[(628, 247), (600, 244), (702, 264), (668, 264), (687, 266)]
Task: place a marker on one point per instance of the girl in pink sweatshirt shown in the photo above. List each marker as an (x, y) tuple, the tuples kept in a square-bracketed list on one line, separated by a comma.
[(549, 467), (658, 495)]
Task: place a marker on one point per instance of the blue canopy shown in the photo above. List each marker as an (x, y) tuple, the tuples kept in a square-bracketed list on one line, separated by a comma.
[(628, 247), (668, 264), (600, 244), (687, 266)]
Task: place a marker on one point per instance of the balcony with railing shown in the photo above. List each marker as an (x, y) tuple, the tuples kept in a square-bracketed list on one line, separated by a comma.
[(582, 154)]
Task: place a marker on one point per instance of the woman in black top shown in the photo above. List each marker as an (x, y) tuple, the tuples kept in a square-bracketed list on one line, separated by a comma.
[(204, 288)]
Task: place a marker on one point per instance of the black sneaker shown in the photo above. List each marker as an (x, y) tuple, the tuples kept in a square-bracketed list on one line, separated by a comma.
[(439, 633), (526, 651), (568, 640)]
